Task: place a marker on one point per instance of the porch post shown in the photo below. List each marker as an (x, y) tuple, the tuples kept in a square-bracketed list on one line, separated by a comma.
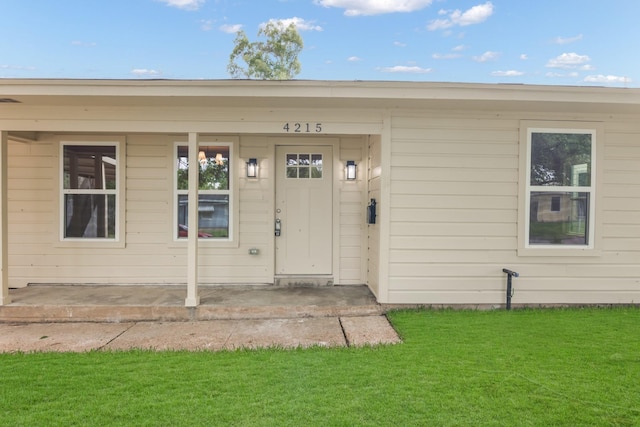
[(4, 258), (193, 299)]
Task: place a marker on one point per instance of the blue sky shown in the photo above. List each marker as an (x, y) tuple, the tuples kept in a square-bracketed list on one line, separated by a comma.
[(556, 42)]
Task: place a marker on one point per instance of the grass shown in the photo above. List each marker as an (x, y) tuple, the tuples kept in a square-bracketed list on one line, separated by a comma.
[(523, 367)]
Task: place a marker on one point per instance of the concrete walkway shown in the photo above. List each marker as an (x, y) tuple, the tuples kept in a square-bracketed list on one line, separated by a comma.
[(84, 318), (211, 335)]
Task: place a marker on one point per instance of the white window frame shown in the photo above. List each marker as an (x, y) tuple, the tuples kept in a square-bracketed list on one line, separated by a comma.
[(232, 192), (592, 248), (118, 192)]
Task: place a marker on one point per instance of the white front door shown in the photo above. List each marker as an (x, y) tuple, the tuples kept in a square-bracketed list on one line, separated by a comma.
[(304, 210)]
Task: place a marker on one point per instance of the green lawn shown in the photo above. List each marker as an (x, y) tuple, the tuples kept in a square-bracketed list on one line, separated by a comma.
[(523, 367)]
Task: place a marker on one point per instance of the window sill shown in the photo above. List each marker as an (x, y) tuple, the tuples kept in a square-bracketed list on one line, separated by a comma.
[(90, 244), (205, 243), (549, 251)]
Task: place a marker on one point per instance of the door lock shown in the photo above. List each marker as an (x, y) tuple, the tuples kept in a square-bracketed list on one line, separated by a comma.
[(278, 226)]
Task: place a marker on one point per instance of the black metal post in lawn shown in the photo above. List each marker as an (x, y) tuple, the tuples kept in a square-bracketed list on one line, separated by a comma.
[(510, 274)]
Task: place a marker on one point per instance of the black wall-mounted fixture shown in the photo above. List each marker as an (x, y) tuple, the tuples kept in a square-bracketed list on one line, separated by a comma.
[(252, 168), (371, 212), (351, 170)]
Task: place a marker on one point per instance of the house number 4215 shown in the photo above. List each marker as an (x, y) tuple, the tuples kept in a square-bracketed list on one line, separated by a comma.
[(302, 127)]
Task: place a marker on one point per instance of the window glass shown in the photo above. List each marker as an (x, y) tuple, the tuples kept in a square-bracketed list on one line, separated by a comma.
[(213, 167), (560, 159), (213, 216), (565, 226), (560, 187), (214, 191), (89, 185), (304, 166), (89, 167)]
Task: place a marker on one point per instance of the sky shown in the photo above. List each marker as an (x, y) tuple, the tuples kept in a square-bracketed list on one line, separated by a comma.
[(549, 42)]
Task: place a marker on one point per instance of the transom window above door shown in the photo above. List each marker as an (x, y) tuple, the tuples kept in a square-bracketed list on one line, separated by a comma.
[(304, 166)]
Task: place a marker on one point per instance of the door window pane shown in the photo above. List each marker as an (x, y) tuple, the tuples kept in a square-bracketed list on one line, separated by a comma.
[(304, 166)]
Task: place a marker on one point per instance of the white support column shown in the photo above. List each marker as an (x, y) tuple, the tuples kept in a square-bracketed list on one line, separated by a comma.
[(384, 209), (193, 299), (4, 258)]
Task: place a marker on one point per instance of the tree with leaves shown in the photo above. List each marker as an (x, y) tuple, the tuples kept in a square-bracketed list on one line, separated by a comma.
[(276, 58)]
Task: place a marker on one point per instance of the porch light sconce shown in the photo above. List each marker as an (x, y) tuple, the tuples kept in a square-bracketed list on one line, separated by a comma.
[(252, 168), (351, 170)]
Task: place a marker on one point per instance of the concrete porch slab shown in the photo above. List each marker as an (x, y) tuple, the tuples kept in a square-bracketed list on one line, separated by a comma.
[(134, 303)]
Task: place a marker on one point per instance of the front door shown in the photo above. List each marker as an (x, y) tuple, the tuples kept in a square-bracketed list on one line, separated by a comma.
[(304, 210)]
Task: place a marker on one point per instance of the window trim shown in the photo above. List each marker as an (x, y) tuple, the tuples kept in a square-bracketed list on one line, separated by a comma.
[(234, 168), (118, 241), (527, 128)]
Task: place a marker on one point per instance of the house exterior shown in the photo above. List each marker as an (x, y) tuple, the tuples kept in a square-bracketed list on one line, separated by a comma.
[(447, 185)]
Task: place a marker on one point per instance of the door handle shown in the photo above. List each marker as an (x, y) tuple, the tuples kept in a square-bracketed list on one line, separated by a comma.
[(278, 227)]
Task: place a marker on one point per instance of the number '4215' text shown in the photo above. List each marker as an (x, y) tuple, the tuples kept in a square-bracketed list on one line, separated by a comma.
[(302, 127)]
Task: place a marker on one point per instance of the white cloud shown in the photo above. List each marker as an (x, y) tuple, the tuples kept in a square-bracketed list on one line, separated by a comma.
[(570, 60), (17, 67), (487, 56), (459, 48), (509, 73), (405, 69), (607, 79), (374, 7), (354, 59), (301, 24), (475, 15), (143, 72), (566, 40), (184, 4), (230, 29), (572, 74), (446, 55), (206, 24), (524, 56), (399, 44)]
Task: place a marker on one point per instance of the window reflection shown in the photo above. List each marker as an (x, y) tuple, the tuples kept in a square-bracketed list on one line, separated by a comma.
[(304, 166), (559, 218)]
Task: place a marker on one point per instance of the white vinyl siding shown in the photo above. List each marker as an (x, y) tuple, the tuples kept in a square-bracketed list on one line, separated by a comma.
[(151, 254), (445, 166), (455, 221), (352, 212), (453, 213), (373, 230)]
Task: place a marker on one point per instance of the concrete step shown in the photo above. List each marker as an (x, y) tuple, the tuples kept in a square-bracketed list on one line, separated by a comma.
[(133, 303)]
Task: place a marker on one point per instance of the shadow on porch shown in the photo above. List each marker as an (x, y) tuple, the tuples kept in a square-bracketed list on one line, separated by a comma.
[(132, 303)]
